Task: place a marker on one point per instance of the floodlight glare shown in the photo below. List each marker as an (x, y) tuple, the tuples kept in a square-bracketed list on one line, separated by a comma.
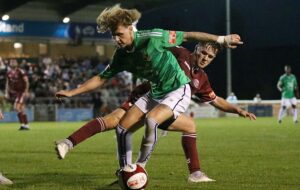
[(5, 17), (66, 20), (18, 45)]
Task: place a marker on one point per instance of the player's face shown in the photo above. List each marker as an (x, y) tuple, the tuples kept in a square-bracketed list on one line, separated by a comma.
[(287, 69), (13, 63), (204, 55), (123, 36)]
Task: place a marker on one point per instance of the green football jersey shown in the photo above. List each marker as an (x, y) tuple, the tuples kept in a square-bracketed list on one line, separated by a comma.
[(150, 60), (288, 83)]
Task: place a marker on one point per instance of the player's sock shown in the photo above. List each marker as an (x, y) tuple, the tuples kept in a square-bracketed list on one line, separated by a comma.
[(24, 116), (148, 142), (295, 115), (124, 146), (189, 146), (20, 117), (281, 113), (89, 129)]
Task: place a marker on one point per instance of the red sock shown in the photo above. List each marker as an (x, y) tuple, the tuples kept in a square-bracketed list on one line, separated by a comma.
[(25, 121), (20, 117), (190, 150), (89, 129)]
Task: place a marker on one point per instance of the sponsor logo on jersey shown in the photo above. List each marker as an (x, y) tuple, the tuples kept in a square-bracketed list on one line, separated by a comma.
[(172, 37)]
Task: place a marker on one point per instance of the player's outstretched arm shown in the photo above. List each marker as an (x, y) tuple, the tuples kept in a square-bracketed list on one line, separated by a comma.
[(1, 115), (6, 89), (87, 86), (225, 106), (229, 41)]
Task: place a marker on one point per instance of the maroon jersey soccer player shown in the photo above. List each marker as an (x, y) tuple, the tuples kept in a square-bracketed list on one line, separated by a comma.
[(192, 64), (17, 87)]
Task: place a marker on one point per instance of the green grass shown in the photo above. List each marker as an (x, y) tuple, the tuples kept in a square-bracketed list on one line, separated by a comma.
[(238, 153)]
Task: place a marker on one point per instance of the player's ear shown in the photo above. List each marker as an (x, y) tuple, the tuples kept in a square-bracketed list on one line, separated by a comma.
[(130, 28)]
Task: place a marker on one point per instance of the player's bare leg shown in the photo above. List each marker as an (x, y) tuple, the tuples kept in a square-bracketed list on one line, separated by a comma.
[(97, 125)]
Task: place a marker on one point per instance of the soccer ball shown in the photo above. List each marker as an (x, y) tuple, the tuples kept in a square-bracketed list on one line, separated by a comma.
[(133, 176)]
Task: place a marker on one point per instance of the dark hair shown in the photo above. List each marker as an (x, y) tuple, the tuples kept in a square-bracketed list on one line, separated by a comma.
[(214, 45)]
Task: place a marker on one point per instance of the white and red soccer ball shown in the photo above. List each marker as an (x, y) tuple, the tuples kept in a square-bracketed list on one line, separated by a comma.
[(133, 176)]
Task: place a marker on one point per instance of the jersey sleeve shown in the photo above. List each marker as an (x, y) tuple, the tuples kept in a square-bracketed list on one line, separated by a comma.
[(112, 69), (206, 97), (205, 92), (159, 38), (172, 38)]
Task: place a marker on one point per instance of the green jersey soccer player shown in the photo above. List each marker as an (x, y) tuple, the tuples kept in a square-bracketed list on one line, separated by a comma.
[(288, 86), (144, 53)]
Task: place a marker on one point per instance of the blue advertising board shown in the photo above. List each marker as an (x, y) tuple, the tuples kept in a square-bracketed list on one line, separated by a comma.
[(12, 116), (71, 114), (86, 30), (13, 28), (33, 28)]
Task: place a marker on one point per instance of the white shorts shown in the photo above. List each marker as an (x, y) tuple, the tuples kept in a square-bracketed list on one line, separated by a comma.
[(178, 100), (287, 102)]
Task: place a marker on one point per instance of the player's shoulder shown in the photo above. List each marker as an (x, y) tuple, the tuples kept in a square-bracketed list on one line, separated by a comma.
[(156, 32), (294, 76), (180, 49), (180, 52), (282, 76)]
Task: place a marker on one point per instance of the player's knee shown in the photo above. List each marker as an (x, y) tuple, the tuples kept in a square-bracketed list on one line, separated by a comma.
[(190, 128), (111, 121), (294, 106), (283, 107)]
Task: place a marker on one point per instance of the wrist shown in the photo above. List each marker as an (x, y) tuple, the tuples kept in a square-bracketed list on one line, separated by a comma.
[(221, 40)]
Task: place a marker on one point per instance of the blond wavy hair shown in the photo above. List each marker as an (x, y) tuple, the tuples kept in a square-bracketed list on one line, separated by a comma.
[(111, 18)]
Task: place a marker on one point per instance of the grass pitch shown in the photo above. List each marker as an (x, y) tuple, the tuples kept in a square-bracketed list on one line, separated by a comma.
[(238, 153)]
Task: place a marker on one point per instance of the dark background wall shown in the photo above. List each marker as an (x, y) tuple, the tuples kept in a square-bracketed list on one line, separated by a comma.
[(269, 28)]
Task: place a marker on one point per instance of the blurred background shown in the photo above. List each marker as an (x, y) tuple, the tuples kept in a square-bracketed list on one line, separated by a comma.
[(56, 43)]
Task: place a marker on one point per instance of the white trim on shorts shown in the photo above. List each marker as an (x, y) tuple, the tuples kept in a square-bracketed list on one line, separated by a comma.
[(177, 100)]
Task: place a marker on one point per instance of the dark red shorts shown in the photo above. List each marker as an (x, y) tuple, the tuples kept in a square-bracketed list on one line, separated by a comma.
[(17, 97)]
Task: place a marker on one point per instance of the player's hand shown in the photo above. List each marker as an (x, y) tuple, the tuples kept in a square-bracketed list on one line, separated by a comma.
[(230, 41), (63, 94), (245, 114), (26, 94)]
